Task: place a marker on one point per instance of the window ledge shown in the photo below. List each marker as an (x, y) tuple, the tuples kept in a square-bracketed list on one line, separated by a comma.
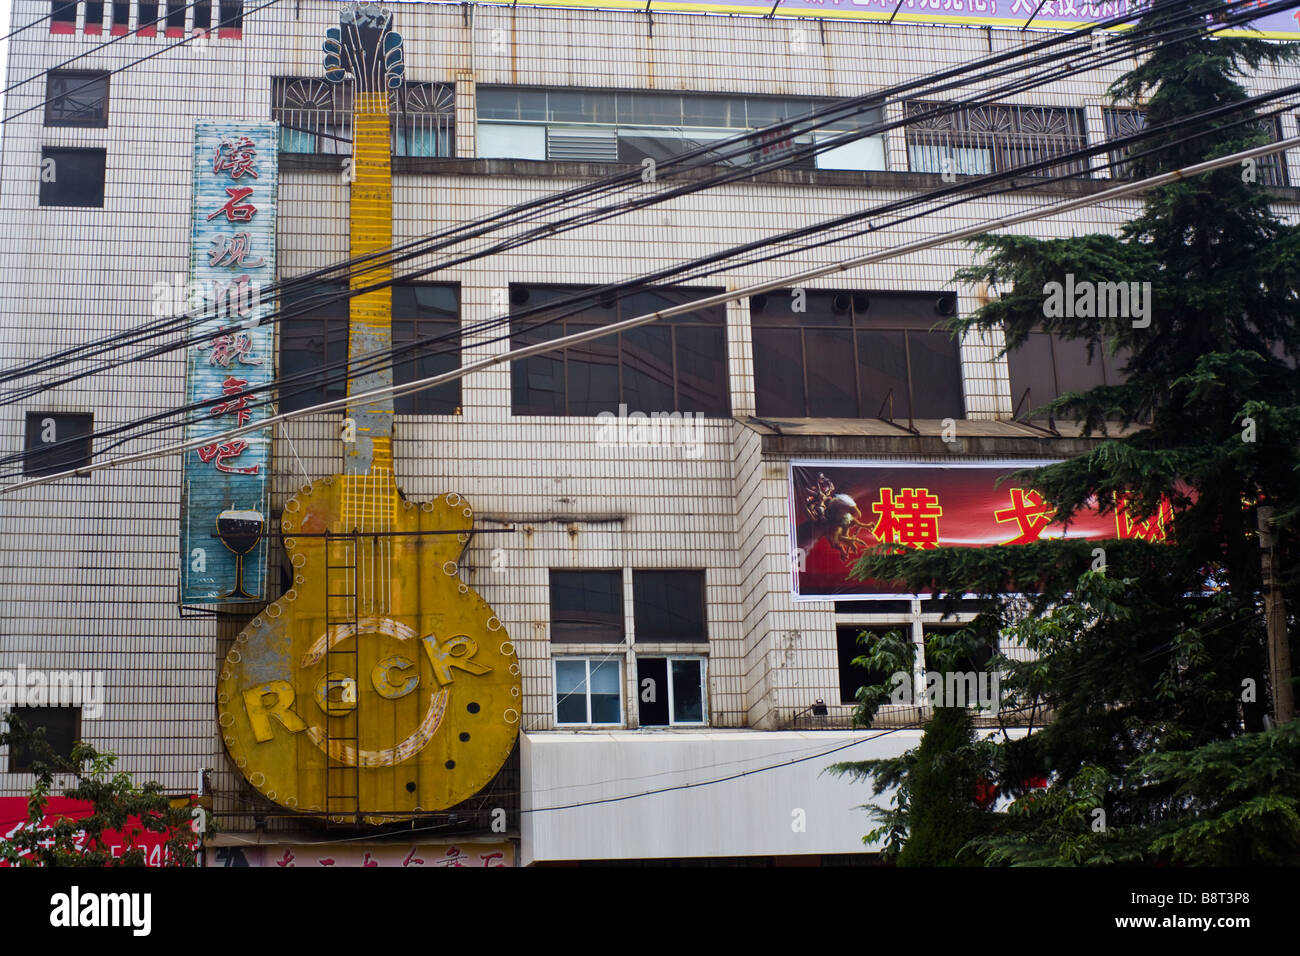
[(848, 178)]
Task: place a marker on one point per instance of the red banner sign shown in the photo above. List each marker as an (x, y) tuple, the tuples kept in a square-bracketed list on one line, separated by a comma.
[(13, 819), (839, 510)]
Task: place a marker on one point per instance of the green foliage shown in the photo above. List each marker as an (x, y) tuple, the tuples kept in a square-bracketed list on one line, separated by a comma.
[(114, 801), (1142, 721)]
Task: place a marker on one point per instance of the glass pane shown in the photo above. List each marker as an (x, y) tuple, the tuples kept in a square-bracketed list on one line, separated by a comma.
[(688, 697), (587, 606), (537, 382), (592, 374), (636, 145), (577, 107), (715, 111), (669, 605), (604, 676), (936, 375), (497, 103), (832, 386), (77, 99), (652, 691), (79, 177), (606, 709), (606, 692), (778, 373), (703, 384), (648, 368), (649, 109), (765, 111), (435, 357), (882, 367), (571, 692)]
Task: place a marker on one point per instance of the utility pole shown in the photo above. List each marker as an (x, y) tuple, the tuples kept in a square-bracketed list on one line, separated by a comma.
[(1279, 651)]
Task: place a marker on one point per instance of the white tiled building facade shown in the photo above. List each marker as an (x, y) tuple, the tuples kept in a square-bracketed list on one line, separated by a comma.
[(89, 567)]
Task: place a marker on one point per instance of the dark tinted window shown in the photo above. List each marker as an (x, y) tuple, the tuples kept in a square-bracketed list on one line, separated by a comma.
[(855, 355), (64, 11), (1046, 366), (674, 364), (652, 691), (62, 729), (669, 606), (56, 441), (76, 98), (847, 648), (176, 14), (72, 177), (587, 606), (313, 344), (430, 313)]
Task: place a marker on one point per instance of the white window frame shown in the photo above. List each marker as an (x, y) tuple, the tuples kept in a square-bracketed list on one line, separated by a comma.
[(589, 659), (704, 689)]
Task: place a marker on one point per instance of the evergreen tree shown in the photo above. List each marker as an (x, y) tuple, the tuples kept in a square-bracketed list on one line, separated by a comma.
[(1152, 667)]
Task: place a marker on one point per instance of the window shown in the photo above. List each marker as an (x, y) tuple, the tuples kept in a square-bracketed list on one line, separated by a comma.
[(628, 127), (231, 22), (94, 16), (1121, 122), (855, 355), (587, 607), (72, 177), (670, 691), (203, 15), (427, 312), (176, 17), (63, 16), (669, 606), (149, 15), (852, 676), (675, 364), (588, 691), (121, 18), (316, 117), (76, 98), (62, 730), (314, 344), (56, 441), (1047, 366), (976, 140)]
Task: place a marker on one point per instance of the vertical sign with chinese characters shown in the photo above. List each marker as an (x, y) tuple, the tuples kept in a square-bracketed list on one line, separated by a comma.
[(225, 484)]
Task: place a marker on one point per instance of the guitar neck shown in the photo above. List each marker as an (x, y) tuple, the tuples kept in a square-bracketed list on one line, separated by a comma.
[(370, 314)]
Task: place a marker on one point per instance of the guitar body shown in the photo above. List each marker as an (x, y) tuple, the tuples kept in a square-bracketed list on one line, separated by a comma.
[(380, 686), (400, 699)]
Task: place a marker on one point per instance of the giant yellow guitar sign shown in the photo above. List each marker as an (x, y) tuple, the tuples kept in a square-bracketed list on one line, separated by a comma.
[(380, 685)]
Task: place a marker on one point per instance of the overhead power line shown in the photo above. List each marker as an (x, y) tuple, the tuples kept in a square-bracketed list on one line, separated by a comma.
[(379, 394)]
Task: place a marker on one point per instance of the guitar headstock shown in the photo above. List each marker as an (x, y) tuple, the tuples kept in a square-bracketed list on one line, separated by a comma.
[(365, 46)]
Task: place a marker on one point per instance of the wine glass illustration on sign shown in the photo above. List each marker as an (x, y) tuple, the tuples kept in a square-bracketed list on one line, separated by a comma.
[(240, 530)]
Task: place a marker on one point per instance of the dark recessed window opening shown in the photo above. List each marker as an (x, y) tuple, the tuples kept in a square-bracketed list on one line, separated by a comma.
[(203, 15), (176, 15), (855, 355), (72, 177), (587, 606), (314, 344), (670, 691), (56, 441), (62, 730), (677, 364), (149, 13), (231, 13), (669, 606), (76, 98), (64, 12), (1047, 366), (121, 17), (94, 16), (853, 677)]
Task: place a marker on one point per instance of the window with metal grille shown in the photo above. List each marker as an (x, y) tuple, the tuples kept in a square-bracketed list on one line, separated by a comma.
[(855, 355), (1121, 122), (57, 441), (677, 364), (76, 98), (977, 140), (316, 117), (314, 345)]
